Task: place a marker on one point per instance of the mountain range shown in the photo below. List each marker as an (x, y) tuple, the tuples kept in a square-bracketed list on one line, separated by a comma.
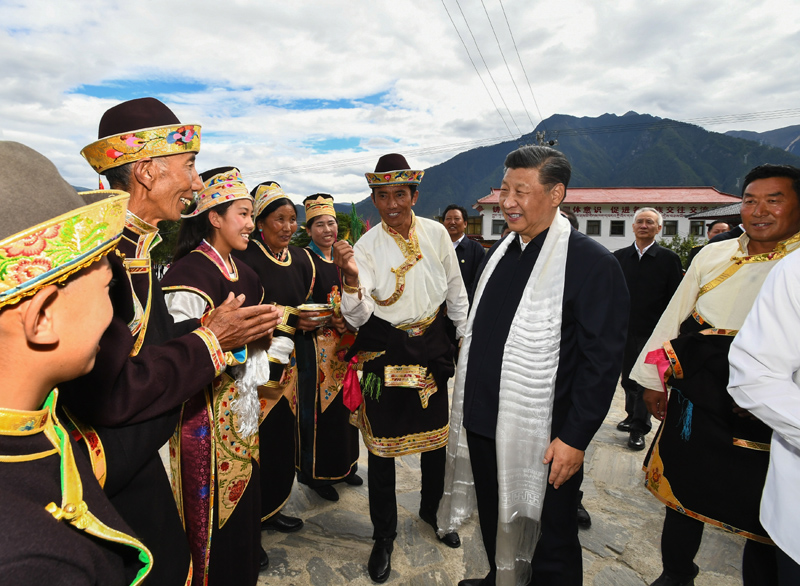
[(632, 150)]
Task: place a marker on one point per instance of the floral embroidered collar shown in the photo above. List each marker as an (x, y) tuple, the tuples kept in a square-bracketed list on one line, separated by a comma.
[(214, 256), (147, 236), (282, 258)]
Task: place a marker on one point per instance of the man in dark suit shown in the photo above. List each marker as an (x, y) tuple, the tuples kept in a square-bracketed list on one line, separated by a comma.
[(652, 273), (550, 320), (716, 231), (469, 253)]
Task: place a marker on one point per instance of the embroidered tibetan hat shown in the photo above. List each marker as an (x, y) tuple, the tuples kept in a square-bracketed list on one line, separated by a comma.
[(220, 185), (264, 194), (393, 170), (137, 129), (319, 204), (47, 232)]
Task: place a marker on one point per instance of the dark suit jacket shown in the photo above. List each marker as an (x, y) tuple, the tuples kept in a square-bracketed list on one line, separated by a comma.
[(734, 232), (651, 283), (593, 326), (470, 255)]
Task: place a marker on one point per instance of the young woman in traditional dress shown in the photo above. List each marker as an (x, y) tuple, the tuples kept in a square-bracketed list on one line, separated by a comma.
[(214, 452), (328, 443), (287, 275)]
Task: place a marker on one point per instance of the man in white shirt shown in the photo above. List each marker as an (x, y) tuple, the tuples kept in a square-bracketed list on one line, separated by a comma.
[(396, 280), (765, 380)]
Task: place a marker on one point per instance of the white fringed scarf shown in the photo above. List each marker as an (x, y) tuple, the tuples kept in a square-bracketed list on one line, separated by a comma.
[(527, 382)]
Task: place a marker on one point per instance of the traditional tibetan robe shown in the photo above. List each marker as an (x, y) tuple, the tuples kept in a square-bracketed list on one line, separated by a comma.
[(44, 537), (214, 467), (402, 345), (706, 461), (147, 366), (288, 283), (328, 443)]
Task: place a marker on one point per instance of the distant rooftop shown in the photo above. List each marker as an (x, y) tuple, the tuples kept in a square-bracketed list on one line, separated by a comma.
[(650, 195), (728, 211)]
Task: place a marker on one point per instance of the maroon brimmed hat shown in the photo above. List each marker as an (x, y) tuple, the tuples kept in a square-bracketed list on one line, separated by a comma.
[(137, 129), (393, 169)]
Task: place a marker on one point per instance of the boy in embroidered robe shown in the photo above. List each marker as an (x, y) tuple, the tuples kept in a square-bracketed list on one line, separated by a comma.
[(56, 524)]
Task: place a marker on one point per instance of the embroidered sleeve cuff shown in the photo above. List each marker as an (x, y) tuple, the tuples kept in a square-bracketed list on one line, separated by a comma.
[(351, 290), (214, 350)]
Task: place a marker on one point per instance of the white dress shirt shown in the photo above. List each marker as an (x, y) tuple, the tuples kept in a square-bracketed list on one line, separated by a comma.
[(434, 279)]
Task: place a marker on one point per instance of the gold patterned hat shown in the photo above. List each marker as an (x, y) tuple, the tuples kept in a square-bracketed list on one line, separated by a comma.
[(220, 185), (319, 204), (393, 169), (138, 129), (47, 233), (264, 194)]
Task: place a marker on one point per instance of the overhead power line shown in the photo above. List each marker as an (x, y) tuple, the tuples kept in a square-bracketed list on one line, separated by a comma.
[(533, 126), (489, 71), (521, 65)]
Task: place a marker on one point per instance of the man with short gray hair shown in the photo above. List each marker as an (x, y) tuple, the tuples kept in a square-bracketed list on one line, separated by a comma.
[(652, 273), (539, 365)]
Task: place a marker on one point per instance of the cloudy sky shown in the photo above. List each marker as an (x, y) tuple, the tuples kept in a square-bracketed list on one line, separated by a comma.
[(310, 93)]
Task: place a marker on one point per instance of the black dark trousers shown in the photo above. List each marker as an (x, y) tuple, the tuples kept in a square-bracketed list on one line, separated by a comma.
[(557, 560), (788, 569), (680, 541), (634, 402), (382, 496)]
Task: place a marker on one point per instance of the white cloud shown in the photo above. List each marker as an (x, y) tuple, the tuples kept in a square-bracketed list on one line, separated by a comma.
[(680, 59)]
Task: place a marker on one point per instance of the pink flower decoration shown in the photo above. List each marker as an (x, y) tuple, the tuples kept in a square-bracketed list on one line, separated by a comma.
[(27, 269), (113, 154), (32, 244)]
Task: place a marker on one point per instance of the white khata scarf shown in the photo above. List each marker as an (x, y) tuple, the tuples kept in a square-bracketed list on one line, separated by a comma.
[(527, 381)]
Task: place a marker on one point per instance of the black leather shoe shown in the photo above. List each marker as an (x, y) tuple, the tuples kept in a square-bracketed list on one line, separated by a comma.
[(380, 560), (625, 424), (584, 520), (666, 580), (449, 539), (263, 562), (282, 523), (327, 492), (636, 440), (471, 582), (353, 479)]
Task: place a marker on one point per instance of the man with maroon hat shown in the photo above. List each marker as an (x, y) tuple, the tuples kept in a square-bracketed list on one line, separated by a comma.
[(396, 282), (148, 365)]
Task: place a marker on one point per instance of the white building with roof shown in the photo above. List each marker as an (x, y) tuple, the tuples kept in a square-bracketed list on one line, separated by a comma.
[(606, 213)]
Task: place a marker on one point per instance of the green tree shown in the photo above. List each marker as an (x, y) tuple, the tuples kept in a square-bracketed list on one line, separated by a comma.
[(681, 246)]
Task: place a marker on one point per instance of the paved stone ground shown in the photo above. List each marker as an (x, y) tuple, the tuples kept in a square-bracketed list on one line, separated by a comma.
[(620, 549)]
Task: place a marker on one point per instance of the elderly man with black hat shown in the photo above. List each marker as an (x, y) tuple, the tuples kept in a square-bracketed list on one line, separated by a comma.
[(149, 365), (396, 282)]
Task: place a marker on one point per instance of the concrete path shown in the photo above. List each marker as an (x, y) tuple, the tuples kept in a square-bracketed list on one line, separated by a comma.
[(620, 549)]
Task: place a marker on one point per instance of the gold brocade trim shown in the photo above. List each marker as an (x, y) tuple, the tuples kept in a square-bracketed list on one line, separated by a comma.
[(660, 487), (719, 332), (419, 327), (139, 328), (20, 423), (74, 509), (313, 273), (265, 195), (401, 177), (233, 452), (352, 290), (778, 253), (677, 369), (158, 141), (751, 445), (138, 226), (195, 290), (52, 251), (212, 345), (427, 390), (412, 375), (698, 318), (412, 253), (94, 445), (221, 188), (283, 263), (319, 207), (364, 357), (392, 447)]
